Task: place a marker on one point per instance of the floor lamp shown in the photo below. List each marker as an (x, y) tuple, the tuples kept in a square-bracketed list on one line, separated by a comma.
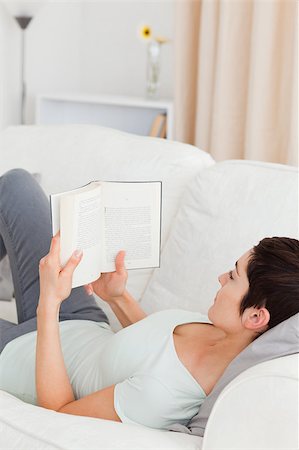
[(23, 22), (23, 12)]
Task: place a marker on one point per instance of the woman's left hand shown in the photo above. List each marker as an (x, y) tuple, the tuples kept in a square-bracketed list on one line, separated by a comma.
[(55, 281)]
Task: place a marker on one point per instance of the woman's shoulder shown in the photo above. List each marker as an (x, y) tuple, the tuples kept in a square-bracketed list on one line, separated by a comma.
[(179, 315)]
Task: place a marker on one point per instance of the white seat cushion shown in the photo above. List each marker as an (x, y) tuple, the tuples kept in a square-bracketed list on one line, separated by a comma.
[(24, 426)]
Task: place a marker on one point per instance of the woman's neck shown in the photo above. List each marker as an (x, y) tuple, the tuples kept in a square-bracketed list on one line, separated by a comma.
[(233, 344)]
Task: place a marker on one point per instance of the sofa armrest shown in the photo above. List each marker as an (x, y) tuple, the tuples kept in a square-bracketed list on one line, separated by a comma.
[(257, 410)]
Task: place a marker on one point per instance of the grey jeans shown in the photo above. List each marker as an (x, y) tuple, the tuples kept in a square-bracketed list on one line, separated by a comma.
[(25, 235)]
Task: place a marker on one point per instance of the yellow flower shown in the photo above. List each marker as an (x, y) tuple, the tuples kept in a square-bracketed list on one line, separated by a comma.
[(146, 32)]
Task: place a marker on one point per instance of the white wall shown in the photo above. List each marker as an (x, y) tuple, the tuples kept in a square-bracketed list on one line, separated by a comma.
[(10, 86), (88, 46)]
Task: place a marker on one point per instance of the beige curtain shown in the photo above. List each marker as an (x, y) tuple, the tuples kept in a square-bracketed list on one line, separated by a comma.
[(236, 86)]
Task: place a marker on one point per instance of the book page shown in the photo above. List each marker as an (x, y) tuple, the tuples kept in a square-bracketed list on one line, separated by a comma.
[(55, 212), (132, 222), (80, 222), (55, 203)]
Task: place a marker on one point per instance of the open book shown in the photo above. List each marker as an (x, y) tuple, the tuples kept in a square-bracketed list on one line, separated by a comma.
[(104, 217)]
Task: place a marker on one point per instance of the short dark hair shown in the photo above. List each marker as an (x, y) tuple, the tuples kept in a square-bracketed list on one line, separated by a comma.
[(273, 275)]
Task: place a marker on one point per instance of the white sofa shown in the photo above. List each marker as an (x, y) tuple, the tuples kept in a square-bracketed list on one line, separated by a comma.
[(208, 220)]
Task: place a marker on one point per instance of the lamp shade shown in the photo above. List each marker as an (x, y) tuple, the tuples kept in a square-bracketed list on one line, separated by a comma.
[(22, 8)]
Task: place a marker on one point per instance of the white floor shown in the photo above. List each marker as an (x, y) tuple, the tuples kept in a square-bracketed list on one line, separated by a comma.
[(8, 310)]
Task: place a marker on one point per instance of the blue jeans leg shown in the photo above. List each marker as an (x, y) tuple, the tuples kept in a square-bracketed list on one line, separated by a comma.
[(25, 235)]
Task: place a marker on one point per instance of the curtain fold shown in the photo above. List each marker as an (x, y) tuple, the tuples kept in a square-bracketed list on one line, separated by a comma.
[(236, 90)]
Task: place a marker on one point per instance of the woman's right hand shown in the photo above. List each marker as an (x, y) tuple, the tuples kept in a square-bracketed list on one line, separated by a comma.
[(110, 285)]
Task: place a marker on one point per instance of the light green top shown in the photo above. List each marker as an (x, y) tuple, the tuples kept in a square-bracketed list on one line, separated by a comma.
[(153, 387)]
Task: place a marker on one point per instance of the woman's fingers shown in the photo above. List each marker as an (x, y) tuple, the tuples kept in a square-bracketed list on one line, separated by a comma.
[(72, 263), (120, 261), (55, 245)]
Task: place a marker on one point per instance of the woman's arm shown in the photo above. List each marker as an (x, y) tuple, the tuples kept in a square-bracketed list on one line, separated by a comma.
[(54, 390), (53, 387), (111, 287), (98, 404), (52, 383), (127, 309)]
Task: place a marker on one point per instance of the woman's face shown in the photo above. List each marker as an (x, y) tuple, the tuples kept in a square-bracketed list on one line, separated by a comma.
[(224, 313)]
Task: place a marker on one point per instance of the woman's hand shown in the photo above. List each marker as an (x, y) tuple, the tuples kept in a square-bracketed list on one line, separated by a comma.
[(112, 284), (55, 281)]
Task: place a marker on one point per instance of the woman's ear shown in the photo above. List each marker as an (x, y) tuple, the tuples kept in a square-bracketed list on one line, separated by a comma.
[(257, 319)]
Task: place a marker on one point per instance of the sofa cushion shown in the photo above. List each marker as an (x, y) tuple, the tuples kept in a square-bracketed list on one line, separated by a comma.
[(24, 426), (227, 209), (69, 156)]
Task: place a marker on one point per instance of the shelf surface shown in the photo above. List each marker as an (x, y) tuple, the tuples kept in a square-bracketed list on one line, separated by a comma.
[(109, 100)]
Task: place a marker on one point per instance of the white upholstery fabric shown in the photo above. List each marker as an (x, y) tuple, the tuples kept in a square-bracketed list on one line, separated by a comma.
[(258, 409), (28, 427), (72, 155), (226, 210)]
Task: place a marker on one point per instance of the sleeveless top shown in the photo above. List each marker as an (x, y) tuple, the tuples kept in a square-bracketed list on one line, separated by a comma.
[(152, 386)]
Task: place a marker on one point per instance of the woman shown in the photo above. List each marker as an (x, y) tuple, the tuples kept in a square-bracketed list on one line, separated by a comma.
[(158, 369)]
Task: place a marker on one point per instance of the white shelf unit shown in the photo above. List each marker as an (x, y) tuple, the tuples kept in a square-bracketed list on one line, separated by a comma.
[(130, 114)]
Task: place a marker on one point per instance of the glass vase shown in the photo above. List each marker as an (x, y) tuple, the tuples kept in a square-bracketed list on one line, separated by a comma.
[(153, 69)]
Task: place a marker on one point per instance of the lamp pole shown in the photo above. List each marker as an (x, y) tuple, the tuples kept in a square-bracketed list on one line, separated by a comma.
[(23, 22)]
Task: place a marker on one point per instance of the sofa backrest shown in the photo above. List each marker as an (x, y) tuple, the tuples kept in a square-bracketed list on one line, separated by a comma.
[(70, 156), (226, 210)]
